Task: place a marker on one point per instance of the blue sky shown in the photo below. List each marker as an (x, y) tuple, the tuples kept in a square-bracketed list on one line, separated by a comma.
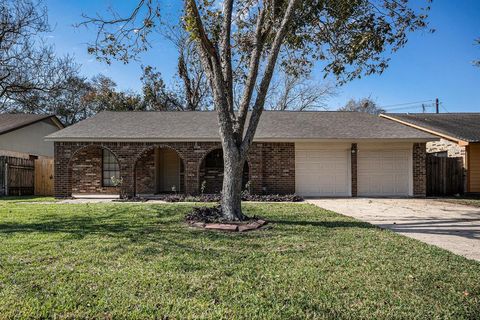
[(430, 66)]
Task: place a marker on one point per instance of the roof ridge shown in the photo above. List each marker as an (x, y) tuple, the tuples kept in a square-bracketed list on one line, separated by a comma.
[(213, 111)]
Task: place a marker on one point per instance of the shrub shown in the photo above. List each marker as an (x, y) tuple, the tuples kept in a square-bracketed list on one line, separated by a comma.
[(272, 198), (217, 197)]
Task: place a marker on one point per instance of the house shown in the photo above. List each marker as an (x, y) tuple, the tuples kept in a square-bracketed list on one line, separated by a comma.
[(334, 154), (22, 135), (26, 159), (459, 135)]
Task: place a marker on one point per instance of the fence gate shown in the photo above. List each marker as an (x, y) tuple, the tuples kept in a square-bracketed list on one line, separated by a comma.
[(44, 177), (445, 176), (17, 176)]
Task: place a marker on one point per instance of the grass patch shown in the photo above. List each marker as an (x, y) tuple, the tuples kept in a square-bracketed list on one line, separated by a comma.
[(141, 261), (464, 201), (20, 199)]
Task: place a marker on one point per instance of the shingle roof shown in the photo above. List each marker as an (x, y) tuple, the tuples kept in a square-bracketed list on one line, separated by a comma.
[(10, 122), (201, 126), (462, 126)]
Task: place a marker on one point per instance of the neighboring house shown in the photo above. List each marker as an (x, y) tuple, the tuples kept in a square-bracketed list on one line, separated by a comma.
[(334, 154), (22, 135), (26, 159), (460, 137)]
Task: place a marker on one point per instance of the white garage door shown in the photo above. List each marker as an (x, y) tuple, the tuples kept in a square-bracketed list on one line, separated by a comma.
[(322, 172), (384, 172)]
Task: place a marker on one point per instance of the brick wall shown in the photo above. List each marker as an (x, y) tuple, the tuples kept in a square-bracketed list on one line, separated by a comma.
[(213, 177), (271, 170), (419, 170), (87, 172), (278, 164), (145, 173), (452, 148)]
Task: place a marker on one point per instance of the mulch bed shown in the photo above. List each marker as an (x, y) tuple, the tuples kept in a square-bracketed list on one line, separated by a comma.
[(211, 218)]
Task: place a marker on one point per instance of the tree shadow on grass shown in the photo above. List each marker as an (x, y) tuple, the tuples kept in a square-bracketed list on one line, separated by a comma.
[(158, 231)]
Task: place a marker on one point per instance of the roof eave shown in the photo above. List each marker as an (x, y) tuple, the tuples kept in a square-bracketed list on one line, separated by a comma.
[(196, 139), (442, 135)]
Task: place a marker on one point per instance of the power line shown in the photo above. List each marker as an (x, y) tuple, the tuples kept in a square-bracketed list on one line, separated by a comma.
[(418, 106), (406, 103), (443, 107)]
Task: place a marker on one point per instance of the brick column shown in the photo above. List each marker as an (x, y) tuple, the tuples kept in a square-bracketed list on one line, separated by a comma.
[(353, 162), (62, 183), (255, 167), (127, 174), (419, 170)]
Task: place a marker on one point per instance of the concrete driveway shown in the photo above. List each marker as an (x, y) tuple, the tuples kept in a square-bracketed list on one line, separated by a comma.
[(453, 227)]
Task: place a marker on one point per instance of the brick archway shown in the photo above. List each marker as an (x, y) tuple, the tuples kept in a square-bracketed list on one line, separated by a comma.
[(149, 169), (213, 176)]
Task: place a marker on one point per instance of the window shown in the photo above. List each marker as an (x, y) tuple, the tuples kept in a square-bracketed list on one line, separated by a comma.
[(110, 168), (214, 159)]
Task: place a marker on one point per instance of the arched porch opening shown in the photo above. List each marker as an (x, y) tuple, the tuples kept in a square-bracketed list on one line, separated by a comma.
[(210, 172), (159, 170)]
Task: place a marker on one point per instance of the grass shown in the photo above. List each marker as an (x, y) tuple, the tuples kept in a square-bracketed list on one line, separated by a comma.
[(22, 199), (474, 202), (141, 261)]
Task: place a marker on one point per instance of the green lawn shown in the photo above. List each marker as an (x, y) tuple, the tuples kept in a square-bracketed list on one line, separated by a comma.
[(141, 261), (22, 199)]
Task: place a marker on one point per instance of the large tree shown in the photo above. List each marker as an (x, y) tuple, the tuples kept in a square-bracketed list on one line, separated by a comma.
[(240, 42), (291, 92), (27, 65), (70, 102), (196, 93)]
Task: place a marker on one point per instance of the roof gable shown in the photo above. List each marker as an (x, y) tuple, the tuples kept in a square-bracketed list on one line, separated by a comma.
[(14, 121)]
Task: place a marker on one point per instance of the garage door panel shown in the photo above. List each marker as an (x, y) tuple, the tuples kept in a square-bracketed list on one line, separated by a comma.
[(383, 172), (322, 172)]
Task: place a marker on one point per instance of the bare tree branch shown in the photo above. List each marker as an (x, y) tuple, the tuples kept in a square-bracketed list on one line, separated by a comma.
[(268, 73)]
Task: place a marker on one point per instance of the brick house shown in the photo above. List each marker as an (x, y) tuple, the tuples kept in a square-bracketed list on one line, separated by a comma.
[(335, 154), (459, 135)]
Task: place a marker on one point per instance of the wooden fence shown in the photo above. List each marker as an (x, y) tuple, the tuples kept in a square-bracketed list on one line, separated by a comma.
[(22, 177), (44, 177), (445, 176), (17, 176)]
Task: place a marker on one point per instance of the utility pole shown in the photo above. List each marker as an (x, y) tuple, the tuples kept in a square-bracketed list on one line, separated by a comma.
[(437, 104)]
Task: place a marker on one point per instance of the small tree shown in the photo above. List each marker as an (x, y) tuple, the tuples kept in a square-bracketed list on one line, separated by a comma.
[(240, 42), (366, 105)]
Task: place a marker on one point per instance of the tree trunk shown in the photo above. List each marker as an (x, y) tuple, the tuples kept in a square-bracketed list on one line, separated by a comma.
[(232, 186)]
